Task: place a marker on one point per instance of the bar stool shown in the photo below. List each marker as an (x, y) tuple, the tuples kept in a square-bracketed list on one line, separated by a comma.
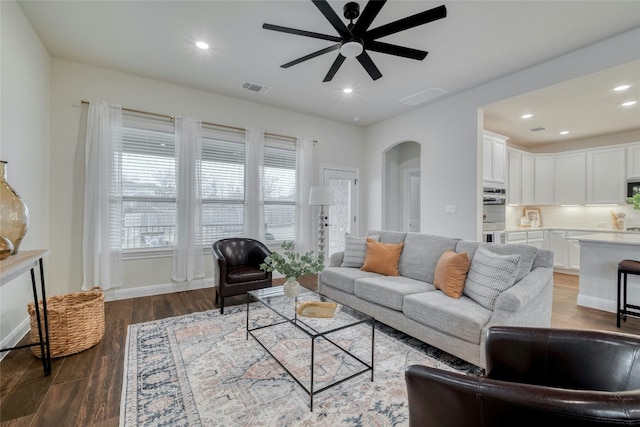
[(625, 267)]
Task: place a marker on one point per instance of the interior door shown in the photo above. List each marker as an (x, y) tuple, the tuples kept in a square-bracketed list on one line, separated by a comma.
[(412, 200), (343, 217)]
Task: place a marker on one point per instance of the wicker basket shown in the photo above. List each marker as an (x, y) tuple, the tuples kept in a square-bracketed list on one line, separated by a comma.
[(76, 322)]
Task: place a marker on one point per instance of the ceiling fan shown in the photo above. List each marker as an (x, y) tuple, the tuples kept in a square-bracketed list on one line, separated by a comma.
[(356, 39)]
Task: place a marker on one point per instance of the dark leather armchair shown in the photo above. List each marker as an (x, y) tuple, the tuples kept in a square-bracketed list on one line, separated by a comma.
[(535, 376), (239, 262)]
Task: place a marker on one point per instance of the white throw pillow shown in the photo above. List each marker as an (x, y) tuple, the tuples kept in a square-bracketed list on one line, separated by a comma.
[(490, 274), (355, 250)]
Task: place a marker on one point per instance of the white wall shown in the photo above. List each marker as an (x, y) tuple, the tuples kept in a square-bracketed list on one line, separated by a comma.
[(24, 143), (338, 144), (449, 132)]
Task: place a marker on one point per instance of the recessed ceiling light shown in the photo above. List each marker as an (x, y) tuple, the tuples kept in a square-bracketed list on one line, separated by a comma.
[(202, 45), (565, 132), (526, 116), (629, 104), (347, 90), (621, 88), (356, 119)]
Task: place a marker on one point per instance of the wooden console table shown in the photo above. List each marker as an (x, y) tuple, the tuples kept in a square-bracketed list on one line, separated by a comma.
[(15, 266)]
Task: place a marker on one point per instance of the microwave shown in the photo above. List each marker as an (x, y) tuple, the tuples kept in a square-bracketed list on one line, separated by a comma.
[(633, 187)]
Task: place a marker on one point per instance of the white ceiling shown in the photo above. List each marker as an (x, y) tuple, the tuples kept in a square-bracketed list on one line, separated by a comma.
[(477, 42)]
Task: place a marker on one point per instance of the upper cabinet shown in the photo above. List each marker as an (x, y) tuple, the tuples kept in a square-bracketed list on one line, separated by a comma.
[(544, 180), (591, 176), (571, 178), (606, 175), (494, 159), (633, 161), (519, 177)]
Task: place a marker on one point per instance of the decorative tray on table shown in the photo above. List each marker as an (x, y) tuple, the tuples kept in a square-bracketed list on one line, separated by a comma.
[(319, 309)]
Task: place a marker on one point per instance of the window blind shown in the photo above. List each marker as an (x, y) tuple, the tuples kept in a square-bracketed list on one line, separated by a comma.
[(279, 190)]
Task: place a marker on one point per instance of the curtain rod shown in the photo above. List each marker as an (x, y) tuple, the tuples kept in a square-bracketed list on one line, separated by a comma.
[(168, 117)]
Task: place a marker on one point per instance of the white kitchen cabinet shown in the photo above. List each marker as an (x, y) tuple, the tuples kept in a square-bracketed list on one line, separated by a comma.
[(527, 179), (557, 245), (531, 238), (573, 249), (633, 161), (536, 239), (519, 177), (606, 175), (571, 178), (494, 159), (516, 237), (514, 177), (544, 180)]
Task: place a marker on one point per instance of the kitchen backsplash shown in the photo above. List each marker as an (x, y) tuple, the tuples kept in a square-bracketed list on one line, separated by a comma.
[(596, 217)]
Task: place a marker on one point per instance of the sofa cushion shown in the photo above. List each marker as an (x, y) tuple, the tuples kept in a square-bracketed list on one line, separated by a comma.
[(421, 254), (451, 273), (528, 253), (389, 291), (462, 318), (355, 250), (343, 278), (382, 258), (490, 274), (388, 236)]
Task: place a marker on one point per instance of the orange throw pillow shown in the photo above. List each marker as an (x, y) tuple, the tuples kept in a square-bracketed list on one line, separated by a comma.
[(451, 273), (382, 258)]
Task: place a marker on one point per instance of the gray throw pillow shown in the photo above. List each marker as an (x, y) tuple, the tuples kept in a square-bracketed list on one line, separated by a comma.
[(490, 274), (355, 250)]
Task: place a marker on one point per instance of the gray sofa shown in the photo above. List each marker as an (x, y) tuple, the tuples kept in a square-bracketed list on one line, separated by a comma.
[(411, 304)]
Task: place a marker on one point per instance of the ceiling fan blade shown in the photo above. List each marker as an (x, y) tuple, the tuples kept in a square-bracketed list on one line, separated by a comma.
[(301, 32), (408, 22), (332, 17), (369, 66), (311, 55), (392, 49), (334, 68), (367, 16)]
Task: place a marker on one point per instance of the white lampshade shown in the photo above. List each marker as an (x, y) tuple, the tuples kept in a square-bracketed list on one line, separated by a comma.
[(321, 196)]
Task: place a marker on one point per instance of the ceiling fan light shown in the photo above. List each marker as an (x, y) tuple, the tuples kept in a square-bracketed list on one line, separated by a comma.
[(351, 49)]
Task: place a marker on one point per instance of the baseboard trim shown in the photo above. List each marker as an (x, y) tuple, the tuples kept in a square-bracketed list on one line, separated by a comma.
[(167, 288), (15, 336), (597, 303)]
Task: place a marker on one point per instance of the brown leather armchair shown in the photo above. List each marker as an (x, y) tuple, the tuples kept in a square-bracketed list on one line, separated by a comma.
[(535, 376), (239, 262)]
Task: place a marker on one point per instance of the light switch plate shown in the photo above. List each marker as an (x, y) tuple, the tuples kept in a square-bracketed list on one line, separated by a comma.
[(451, 209)]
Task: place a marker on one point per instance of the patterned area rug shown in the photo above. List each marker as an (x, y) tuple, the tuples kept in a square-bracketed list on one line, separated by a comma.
[(200, 370)]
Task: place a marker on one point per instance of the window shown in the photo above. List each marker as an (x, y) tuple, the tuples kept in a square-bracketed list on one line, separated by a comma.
[(223, 184), (279, 190), (148, 185)]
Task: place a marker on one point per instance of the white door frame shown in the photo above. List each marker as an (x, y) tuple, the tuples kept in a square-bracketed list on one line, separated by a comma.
[(407, 173), (356, 202)]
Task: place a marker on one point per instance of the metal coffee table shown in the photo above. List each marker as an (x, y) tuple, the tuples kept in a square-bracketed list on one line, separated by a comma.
[(316, 329)]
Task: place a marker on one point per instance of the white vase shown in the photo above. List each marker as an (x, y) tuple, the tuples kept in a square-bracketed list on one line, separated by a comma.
[(291, 287)]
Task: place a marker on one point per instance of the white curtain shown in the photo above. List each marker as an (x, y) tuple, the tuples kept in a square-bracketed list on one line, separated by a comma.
[(102, 225), (305, 228), (254, 191), (188, 253)]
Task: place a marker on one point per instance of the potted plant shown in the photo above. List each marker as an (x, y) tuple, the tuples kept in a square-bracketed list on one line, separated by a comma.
[(292, 265), (635, 200)]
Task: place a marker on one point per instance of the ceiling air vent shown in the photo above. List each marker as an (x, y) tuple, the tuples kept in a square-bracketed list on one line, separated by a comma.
[(424, 96), (538, 129), (253, 87)]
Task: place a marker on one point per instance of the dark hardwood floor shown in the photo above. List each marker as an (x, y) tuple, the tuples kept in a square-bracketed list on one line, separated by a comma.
[(84, 389)]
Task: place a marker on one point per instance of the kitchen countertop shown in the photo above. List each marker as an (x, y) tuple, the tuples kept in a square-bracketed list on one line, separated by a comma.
[(615, 238), (593, 230)]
